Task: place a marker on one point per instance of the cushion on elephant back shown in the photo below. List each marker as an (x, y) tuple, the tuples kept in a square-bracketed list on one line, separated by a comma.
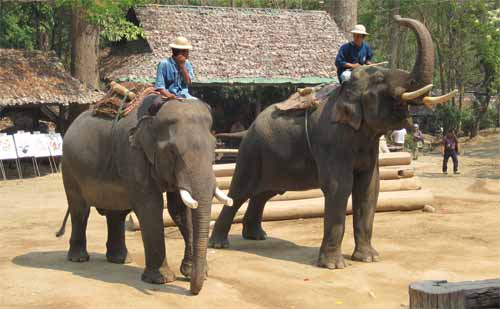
[(109, 105), (306, 98)]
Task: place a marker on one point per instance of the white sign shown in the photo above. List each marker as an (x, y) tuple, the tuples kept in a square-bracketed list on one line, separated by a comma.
[(55, 142), (24, 145), (7, 147), (40, 144)]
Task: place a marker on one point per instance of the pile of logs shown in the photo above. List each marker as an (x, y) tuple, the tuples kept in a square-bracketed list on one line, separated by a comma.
[(400, 190)]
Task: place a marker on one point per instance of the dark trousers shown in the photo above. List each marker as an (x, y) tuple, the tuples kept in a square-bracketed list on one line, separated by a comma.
[(447, 155)]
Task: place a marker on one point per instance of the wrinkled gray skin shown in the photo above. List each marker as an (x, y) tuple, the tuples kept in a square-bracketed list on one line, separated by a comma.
[(274, 156), (128, 167)]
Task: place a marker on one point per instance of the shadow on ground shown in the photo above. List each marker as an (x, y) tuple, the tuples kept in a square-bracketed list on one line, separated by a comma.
[(277, 249), (97, 268)]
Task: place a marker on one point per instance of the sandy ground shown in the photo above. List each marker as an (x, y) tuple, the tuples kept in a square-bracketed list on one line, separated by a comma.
[(458, 242)]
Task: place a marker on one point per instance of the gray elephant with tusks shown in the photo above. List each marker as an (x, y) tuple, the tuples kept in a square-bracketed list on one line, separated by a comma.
[(334, 147), (127, 166)]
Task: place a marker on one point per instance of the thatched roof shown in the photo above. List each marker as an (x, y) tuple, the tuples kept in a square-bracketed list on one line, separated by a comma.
[(35, 77), (235, 44)]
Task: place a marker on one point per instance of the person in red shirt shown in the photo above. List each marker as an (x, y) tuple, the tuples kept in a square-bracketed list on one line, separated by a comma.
[(449, 149)]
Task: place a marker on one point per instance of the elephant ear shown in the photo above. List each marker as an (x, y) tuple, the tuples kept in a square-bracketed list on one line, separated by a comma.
[(347, 106), (143, 137)]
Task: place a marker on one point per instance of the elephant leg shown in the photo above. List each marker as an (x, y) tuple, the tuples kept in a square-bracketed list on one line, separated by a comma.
[(252, 221), (218, 239), (364, 202), (336, 183), (79, 211), (116, 249), (148, 207), (182, 218)]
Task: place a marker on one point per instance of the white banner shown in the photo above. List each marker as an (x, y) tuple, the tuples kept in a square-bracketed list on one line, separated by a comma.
[(7, 147), (41, 145), (55, 141), (24, 145)]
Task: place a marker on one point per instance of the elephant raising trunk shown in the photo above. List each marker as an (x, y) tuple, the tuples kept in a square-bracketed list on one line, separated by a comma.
[(423, 69), (421, 75)]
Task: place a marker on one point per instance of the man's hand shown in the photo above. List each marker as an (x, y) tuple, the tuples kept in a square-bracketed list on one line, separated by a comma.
[(180, 59), (167, 95), (352, 65)]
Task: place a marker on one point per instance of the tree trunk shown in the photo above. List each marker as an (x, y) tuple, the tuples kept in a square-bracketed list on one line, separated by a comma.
[(84, 49), (394, 42), (345, 14)]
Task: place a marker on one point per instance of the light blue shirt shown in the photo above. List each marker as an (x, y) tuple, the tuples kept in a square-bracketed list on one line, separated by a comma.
[(169, 77)]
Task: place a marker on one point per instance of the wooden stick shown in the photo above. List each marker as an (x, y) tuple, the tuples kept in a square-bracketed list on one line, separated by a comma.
[(313, 208)]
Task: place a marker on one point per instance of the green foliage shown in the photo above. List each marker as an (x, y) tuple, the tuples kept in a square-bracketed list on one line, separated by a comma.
[(446, 116), (109, 15)]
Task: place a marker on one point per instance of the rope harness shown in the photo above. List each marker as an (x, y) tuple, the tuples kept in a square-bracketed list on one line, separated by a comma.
[(306, 125)]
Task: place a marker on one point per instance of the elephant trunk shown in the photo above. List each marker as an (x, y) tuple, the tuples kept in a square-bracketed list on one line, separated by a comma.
[(423, 69), (201, 223)]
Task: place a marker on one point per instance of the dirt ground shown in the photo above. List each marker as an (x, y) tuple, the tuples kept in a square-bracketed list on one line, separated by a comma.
[(458, 242)]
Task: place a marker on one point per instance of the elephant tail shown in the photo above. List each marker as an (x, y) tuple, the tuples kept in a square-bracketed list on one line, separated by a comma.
[(237, 135), (63, 227)]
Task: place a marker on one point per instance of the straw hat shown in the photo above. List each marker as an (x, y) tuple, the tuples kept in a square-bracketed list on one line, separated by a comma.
[(359, 29), (181, 43)]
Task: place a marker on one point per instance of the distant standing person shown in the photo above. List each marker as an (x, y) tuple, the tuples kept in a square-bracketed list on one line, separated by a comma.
[(450, 149), (418, 141), (353, 54), (398, 136)]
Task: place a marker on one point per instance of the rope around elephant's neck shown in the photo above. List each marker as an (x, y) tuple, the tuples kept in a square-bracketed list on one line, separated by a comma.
[(120, 109), (306, 125)]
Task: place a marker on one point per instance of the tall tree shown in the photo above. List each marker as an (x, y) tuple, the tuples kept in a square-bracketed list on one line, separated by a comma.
[(394, 41), (345, 14), (84, 48)]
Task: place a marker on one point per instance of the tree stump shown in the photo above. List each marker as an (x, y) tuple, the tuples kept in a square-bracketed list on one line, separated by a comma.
[(484, 294)]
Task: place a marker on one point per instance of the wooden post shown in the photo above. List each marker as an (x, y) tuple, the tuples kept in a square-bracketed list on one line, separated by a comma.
[(459, 295)]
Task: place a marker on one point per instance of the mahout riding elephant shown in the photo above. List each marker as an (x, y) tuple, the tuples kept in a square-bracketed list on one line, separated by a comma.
[(127, 165), (335, 147)]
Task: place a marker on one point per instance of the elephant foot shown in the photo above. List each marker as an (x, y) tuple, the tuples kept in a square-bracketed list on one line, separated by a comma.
[(365, 254), (120, 257), (254, 232), (187, 268), (78, 255), (156, 277), (218, 241), (335, 261)]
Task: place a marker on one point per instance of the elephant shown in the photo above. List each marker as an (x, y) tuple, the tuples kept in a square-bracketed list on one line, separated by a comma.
[(333, 147), (127, 165)]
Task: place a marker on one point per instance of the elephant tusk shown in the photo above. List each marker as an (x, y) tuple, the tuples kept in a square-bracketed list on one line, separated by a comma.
[(188, 200), (407, 96), (223, 198), (430, 101)]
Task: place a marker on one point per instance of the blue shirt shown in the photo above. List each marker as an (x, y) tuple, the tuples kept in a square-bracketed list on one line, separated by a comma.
[(169, 77), (350, 53)]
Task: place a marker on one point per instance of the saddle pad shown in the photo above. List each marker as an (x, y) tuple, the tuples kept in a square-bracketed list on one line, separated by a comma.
[(306, 98)]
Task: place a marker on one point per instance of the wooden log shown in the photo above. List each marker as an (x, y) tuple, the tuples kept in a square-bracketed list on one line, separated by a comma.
[(313, 208), (384, 159), (386, 173), (394, 158), (459, 295), (226, 170), (406, 184), (117, 88)]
